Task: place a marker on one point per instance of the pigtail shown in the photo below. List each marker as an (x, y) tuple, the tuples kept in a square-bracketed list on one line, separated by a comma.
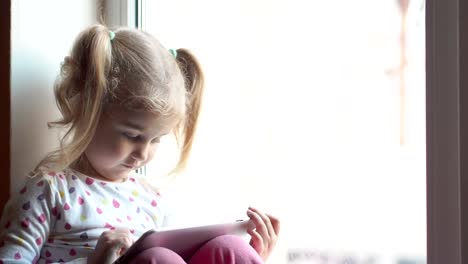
[(194, 85), (79, 94)]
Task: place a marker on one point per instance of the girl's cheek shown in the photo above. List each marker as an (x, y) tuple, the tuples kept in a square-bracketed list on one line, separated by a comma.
[(120, 147), (151, 153)]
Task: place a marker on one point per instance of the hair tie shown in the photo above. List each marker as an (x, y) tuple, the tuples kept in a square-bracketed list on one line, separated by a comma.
[(111, 35), (173, 52)]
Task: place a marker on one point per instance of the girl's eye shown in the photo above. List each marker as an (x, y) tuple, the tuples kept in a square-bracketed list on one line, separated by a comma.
[(130, 136), (156, 140)]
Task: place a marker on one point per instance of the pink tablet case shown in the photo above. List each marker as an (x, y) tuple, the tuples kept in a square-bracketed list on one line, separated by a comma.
[(186, 241)]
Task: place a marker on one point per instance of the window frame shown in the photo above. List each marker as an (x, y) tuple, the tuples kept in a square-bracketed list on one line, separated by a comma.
[(5, 104), (125, 13), (447, 127)]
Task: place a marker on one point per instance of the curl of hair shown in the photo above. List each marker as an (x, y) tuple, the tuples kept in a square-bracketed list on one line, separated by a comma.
[(79, 92), (194, 85)]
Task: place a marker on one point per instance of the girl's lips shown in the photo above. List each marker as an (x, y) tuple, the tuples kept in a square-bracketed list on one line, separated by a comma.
[(129, 166)]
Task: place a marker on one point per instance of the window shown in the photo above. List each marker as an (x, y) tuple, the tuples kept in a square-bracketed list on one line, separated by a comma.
[(314, 112)]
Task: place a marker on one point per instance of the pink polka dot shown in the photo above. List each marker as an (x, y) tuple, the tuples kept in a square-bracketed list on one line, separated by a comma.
[(41, 218), (55, 211), (89, 181), (109, 226), (25, 223)]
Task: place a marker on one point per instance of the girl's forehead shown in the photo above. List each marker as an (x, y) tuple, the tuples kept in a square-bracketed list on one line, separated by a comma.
[(140, 120)]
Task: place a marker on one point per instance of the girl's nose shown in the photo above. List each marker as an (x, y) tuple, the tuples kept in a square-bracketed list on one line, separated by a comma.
[(141, 152)]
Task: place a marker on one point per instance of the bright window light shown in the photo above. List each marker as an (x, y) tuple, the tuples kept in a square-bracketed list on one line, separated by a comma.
[(314, 111)]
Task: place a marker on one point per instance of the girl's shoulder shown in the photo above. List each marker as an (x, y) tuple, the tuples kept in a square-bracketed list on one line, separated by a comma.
[(153, 187), (43, 186), (69, 180), (145, 183), (55, 179)]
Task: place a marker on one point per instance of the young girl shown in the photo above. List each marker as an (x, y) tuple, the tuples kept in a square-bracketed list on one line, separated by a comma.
[(119, 92)]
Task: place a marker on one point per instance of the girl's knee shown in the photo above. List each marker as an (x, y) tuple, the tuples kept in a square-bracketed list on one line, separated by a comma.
[(157, 255), (227, 249), (228, 241)]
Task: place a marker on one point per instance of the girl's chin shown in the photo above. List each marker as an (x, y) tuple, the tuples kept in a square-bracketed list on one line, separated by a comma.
[(118, 176), (122, 175)]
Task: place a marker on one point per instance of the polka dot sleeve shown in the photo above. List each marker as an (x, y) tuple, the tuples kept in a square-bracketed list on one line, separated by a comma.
[(27, 220)]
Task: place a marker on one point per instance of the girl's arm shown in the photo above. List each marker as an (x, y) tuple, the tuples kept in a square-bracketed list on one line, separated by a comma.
[(26, 221)]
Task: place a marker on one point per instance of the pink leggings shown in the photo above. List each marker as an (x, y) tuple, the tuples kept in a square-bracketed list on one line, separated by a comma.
[(227, 249)]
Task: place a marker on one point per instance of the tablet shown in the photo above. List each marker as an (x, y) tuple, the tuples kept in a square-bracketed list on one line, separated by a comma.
[(184, 241)]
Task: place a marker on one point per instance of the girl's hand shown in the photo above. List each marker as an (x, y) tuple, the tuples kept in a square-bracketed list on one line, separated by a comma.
[(265, 234), (110, 246)]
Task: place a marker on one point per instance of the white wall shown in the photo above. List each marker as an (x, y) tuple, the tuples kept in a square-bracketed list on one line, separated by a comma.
[(42, 35)]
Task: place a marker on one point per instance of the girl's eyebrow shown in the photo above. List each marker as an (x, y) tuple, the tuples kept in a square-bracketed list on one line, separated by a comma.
[(130, 124)]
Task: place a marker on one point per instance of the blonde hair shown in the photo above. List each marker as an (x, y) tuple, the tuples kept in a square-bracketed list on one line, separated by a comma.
[(132, 70)]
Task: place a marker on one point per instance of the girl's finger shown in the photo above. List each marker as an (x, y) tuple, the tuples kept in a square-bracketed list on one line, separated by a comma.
[(127, 240), (122, 231), (257, 241), (123, 247), (275, 223), (266, 220), (260, 226), (122, 240)]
